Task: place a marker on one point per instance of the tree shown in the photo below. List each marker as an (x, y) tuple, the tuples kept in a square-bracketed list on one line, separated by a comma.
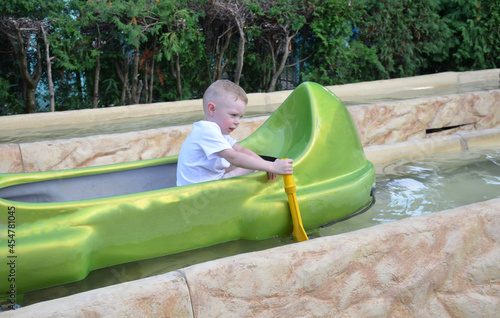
[(475, 27), (338, 56), (133, 23), (179, 29), (24, 37), (279, 22), (49, 60), (21, 23), (405, 34), (218, 33), (231, 17), (94, 32)]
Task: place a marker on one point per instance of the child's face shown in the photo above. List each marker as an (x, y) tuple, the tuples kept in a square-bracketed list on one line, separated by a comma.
[(227, 113)]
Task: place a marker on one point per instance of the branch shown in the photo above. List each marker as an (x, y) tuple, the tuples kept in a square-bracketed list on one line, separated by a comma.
[(304, 59)]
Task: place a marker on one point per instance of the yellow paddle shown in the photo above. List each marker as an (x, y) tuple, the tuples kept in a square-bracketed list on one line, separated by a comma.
[(298, 229)]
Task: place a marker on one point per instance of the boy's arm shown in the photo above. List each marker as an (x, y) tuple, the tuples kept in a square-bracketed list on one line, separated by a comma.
[(240, 148), (254, 162)]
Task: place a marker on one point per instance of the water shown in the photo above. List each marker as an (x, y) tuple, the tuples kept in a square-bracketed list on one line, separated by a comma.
[(423, 185), (405, 188), (122, 125)]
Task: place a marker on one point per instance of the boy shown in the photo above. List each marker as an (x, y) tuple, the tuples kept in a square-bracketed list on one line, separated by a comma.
[(209, 153)]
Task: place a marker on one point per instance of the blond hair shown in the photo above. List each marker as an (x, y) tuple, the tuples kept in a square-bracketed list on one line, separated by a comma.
[(222, 88)]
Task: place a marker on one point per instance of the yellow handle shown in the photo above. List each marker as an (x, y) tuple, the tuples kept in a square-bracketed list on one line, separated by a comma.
[(298, 229), (289, 184)]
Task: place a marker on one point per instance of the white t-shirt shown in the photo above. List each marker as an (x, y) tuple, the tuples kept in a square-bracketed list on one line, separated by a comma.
[(198, 158)]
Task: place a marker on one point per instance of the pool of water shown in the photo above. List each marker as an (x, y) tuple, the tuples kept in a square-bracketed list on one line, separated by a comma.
[(405, 188), (422, 185), (122, 125)]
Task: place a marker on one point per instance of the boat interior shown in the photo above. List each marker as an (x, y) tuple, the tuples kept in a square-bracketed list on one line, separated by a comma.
[(94, 186)]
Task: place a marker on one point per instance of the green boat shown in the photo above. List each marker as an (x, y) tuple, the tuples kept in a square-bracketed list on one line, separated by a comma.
[(58, 226)]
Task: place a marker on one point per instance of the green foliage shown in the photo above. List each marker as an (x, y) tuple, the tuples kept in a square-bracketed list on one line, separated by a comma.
[(34, 9), (277, 21), (405, 34), (339, 57), (180, 37), (476, 27), (289, 13), (9, 104)]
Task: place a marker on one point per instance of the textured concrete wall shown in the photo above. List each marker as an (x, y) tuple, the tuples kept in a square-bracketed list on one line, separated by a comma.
[(377, 124), (445, 264), (398, 121), (418, 147)]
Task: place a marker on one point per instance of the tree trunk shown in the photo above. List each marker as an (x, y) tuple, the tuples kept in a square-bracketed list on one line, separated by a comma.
[(145, 91), (176, 73), (123, 76), (30, 99), (241, 54), (95, 94), (49, 71), (219, 65), (285, 45), (151, 79), (150, 85), (95, 99), (136, 87), (30, 80)]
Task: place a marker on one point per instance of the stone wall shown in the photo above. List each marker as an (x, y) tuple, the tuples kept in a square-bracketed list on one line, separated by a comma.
[(445, 264), (398, 121), (379, 154)]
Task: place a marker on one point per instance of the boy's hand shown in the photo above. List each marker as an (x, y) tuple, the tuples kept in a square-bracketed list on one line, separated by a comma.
[(271, 176), (283, 166)]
